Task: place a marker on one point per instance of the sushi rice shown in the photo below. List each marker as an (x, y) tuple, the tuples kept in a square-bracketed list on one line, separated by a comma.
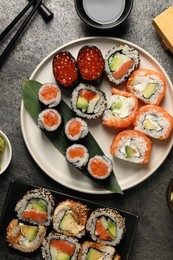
[(78, 155)]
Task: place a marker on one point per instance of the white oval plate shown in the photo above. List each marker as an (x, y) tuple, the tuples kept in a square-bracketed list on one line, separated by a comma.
[(53, 163)]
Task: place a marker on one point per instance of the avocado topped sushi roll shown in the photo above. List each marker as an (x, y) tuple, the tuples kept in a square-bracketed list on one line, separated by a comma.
[(92, 250), (70, 218), (106, 226), (154, 121), (88, 102), (49, 95), (36, 207), (56, 246), (121, 110), (91, 64), (132, 146), (120, 62), (147, 85), (25, 238)]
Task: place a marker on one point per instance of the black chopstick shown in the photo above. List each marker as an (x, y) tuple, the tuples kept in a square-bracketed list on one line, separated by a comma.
[(16, 19), (13, 41)]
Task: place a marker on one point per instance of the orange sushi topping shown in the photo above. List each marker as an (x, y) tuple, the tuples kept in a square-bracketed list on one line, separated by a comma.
[(74, 127), (49, 92), (76, 152), (123, 69), (63, 246), (87, 94), (101, 232), (35, 215), (50, 119), (98, 167)]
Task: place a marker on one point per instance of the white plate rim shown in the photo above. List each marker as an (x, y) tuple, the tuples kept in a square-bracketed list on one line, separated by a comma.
[(23, 111)]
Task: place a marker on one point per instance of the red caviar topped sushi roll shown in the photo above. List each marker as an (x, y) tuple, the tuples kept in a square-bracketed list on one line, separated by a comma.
[(49, 95), (49, 119), (147, 85), (65, 69), (121, 110), (76, 128), (100, 167), (77, 154), (91, 64)]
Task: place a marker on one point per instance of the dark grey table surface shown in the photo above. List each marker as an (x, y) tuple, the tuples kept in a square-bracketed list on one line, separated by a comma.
[(154, 235)]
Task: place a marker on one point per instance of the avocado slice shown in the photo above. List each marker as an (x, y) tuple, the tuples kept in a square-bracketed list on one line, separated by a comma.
[(82, 103), (66, 221), (29, 231), (94, 254), (149, 90), (62, 256), (150, 125), (112, 228), (39, 206), (130, 152), (117, 105)]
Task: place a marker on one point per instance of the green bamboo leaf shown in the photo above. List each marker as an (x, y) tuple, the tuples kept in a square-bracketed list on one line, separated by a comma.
[(58, 138)]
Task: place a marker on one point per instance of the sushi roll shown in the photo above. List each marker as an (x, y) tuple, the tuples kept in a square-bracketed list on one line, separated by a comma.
[(78, 155), (154, 121), (100, 167), (49, 119), (147, 85), (57, 246), (88, 102), (65, 70), (76, 128), (132, 146), (70, 218), (36, 207), (120, 62), (93, 250), (106, 226), (91, 64), (49, 95), (121, 110), (25, 238)]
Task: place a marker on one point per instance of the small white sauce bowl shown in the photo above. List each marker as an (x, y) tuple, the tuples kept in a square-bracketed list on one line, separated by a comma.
[(7, 154)]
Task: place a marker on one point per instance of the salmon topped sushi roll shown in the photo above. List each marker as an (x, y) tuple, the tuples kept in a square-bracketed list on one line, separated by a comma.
[(132, 146), (49, 95), (57, 246), (121, 110), (100, 167), (49, 119), (70, 218), (154, 121), (147, 85), (78, 155), (76, 128), (120, 62)]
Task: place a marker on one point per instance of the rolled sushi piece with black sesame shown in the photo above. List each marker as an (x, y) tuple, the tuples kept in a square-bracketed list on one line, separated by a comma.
[(49, 119), (25, 238), (120, 62), (76, 128), (77, 154), (100, 167), (88, 101), (106, 226), (70, 218), (56, 246), (93, 250), (49, 95), (36, 207)]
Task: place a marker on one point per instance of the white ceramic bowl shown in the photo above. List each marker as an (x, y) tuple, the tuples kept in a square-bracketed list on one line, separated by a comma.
[(7, 155)]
